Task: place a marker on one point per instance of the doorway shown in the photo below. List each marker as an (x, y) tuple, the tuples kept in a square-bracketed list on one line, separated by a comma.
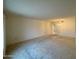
[(53, 28)]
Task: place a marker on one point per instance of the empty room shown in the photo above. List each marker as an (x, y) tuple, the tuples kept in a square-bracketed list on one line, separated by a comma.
[(39, 29)]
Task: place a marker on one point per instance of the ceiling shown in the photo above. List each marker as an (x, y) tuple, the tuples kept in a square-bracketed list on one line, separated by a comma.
[(43, 9)]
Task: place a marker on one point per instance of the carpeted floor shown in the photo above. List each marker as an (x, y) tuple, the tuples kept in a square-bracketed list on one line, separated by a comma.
[(48, 47)]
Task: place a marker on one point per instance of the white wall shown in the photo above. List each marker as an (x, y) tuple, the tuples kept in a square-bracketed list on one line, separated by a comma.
[(20, 29), (66, 28)]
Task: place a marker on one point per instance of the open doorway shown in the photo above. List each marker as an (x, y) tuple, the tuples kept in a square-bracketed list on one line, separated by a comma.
[(53, 28)]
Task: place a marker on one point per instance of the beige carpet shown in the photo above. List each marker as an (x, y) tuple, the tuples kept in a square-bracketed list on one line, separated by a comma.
[(48, 47)]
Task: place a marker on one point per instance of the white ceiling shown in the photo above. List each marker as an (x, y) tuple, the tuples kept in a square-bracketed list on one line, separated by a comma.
[(44, 9)]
